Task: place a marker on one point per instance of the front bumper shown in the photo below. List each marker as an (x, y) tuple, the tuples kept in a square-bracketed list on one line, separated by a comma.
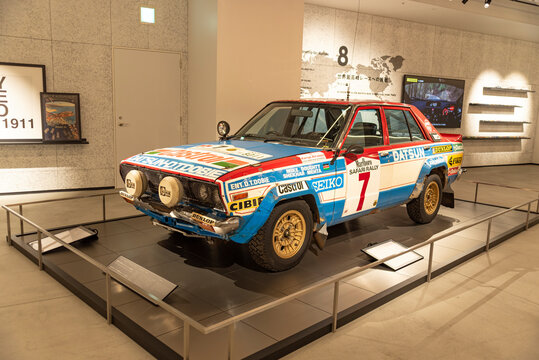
[(185, 221)]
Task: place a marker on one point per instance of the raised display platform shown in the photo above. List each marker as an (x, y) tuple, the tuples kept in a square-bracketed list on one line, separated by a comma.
[(216, 281)]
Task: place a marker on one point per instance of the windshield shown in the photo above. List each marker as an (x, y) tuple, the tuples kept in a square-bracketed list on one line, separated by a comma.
[(313, 125)]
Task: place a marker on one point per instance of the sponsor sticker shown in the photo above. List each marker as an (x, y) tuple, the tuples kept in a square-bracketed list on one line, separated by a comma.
[(362, 166), (442, 149), (216, 160), (408, 154), (232, 150), (312, 157), (199, 218), (453, 171), (127, 196), (246, 183), (329, 183), (301, 171), (245, 204), (179, 166), (458, 146), (290, 188), (454, 160)]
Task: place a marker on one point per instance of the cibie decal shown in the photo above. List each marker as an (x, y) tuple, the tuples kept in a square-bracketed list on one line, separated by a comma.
[(245, 204), (179, 166), (329, 183), (245, 183), (312, 157), (205, 157), (408, 154), (362, 166), (442, 149), (454, 160), (290, 188), (232, 150)]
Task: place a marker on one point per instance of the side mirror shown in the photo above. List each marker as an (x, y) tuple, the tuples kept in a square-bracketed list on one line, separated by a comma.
[(223, 128), (355, 149)]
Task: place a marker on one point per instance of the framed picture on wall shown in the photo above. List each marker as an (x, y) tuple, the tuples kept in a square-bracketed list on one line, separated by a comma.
[(20, 116), (60, 116)]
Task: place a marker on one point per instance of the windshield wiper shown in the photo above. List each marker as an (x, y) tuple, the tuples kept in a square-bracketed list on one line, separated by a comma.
[(252, 136)]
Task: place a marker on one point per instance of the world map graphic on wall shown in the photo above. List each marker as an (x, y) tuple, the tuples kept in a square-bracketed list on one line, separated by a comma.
[(325, 76)]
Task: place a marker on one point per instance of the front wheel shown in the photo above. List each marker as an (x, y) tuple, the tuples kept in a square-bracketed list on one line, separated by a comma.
[(423, 209), (283, 240)]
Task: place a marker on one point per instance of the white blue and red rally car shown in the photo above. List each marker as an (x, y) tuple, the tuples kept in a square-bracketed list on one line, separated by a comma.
[(294, 169)]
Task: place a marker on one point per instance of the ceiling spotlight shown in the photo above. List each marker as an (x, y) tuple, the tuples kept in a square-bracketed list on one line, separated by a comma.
[(487, 3), (464, 1)]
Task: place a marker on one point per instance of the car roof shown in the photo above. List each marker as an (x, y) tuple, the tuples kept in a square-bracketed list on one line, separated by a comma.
[(346, 102)]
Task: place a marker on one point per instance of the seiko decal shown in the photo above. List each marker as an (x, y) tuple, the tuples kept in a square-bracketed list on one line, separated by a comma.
[(362, 166), (175, 165), (245, 183), (408, 154), (442, 149), (290, 188), (245, 204), (454, 160), (312, 157), (329, 183)]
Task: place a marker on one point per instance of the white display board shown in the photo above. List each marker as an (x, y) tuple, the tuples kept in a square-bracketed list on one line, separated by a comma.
[(20, 110)]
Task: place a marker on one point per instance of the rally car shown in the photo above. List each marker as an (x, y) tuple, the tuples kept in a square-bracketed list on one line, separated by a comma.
[(294, 169)]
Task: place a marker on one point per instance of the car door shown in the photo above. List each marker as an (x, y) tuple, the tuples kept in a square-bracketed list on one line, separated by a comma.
[(363, 171), (403, 163)]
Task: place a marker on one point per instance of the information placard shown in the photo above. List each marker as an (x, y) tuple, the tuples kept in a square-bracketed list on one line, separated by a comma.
[(20, 109)]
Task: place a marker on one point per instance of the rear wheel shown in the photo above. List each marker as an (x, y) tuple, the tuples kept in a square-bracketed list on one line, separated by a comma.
[(283, 240), (423, 209)]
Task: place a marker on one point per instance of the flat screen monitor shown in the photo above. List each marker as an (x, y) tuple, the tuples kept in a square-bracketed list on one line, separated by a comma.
[(438, 98)]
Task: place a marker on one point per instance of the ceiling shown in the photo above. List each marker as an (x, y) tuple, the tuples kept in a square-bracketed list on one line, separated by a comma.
[(508, 18)]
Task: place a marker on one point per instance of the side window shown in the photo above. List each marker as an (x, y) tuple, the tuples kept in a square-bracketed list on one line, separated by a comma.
[(397, 126), (366, 129), (415, 130)]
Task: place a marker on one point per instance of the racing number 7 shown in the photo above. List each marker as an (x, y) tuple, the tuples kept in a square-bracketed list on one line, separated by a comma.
[(365, 178)]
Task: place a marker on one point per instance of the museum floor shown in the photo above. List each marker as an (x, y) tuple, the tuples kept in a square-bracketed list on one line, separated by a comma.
[(486, 307)]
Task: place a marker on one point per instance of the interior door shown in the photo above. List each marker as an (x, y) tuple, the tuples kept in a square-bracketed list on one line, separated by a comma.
[(147, 102)]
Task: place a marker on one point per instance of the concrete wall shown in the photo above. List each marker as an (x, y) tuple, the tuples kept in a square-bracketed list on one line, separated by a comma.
[(480, 59), (74, 39), (242, 55)]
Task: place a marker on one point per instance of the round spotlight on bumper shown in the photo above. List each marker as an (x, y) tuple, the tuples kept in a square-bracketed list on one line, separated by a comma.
[(170, 191), (136, 183)]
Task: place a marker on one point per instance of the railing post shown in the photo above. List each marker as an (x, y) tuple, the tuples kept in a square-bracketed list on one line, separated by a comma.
[(8, 236), (231, 329), (476, 188), (109, 293), (528, 215), (104, 209), (39, 250), (431, 253), (335, 306), (20, 220), (186, 340), (537, 210), (487, 247)]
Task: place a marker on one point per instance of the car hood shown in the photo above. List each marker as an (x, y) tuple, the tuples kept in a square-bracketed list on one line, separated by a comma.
[(209, 161)]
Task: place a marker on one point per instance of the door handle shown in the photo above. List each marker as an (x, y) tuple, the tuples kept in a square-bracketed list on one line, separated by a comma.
[(426, 147), (384, 153), (123, 124)]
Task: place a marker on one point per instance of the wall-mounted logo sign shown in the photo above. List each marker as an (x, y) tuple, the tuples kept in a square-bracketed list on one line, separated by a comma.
[(20, 115)]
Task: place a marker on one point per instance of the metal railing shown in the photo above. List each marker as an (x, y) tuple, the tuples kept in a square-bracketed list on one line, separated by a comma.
[(477, 183), (231, 322)]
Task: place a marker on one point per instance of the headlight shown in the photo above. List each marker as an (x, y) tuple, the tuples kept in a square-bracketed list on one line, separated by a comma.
[(202, 192), (206, 194), (216, 198)]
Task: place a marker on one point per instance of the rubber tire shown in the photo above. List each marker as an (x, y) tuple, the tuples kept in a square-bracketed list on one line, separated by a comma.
[(261, 245), (416, 207)]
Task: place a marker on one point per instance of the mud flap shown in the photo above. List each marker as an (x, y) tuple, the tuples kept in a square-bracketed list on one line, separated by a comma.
[(448, 197)]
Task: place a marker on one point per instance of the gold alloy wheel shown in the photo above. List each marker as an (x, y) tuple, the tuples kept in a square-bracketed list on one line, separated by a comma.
[(432, 195), (289, 234)]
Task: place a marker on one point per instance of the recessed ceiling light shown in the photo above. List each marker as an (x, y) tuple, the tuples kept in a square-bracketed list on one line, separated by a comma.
[(147, 15)]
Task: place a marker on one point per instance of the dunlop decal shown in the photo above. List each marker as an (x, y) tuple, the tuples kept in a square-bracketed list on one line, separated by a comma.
[(202, 219), (442, 149)]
